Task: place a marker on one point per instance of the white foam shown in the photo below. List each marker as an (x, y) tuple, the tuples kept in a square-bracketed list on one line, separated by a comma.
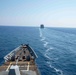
[(48, 62), (43, 38), (49, 49), (40, 32), (45, 43), (51, 66), (58, 71), (47, 56)]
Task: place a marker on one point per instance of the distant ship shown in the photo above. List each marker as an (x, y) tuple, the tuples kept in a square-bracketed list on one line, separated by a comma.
[(20, 61), (41, 26)]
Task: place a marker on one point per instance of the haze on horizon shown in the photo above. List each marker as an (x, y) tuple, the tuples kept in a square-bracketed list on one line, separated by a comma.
[(51, 13)]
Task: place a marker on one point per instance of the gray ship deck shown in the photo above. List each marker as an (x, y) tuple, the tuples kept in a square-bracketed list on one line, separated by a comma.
[(26, 67)]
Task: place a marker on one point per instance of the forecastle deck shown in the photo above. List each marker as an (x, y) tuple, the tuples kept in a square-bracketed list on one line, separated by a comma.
[(24, 58)]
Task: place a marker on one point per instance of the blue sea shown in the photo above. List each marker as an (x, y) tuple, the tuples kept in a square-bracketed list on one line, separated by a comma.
[(55, 47)]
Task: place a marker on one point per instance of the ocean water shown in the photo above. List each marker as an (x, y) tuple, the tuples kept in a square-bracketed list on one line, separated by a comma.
[(55, 47)]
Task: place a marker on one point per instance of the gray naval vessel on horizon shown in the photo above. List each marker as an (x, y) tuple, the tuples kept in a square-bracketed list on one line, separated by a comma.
[(42, 26), (20, 61)]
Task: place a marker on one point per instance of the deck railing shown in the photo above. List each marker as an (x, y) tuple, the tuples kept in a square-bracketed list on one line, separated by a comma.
[(11, 53)]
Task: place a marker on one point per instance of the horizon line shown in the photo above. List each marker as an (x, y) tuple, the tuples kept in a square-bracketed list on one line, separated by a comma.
[(35, 26)]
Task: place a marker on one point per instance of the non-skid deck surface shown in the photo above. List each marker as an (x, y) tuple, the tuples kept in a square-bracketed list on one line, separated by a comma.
[(22, 63)]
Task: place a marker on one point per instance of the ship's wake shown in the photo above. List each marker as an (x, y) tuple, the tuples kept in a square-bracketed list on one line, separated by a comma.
[(48, 49)]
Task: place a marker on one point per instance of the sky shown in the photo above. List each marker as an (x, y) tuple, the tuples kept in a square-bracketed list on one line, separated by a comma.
[(51, 13)]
